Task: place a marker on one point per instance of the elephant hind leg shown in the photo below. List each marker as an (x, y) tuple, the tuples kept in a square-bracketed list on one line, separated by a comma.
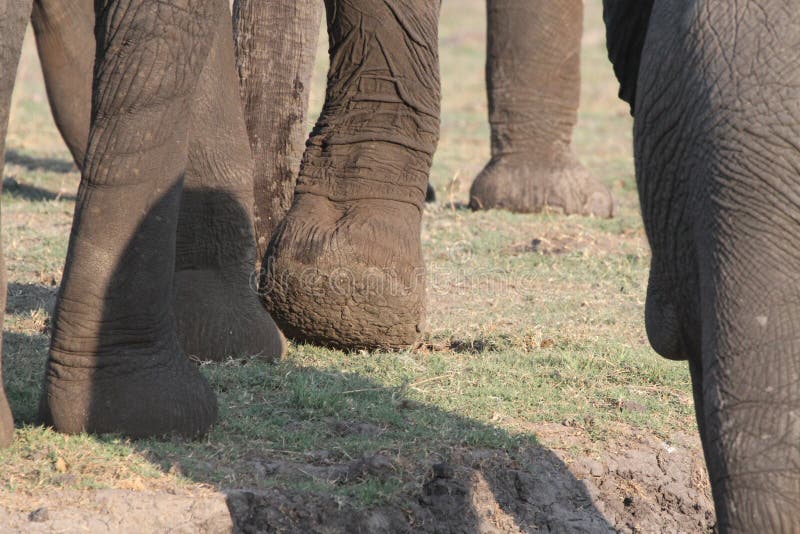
[(115, 361), (218, 309)]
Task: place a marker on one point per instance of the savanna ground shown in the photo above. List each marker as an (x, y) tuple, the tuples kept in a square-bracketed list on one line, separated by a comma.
[(534, 402)]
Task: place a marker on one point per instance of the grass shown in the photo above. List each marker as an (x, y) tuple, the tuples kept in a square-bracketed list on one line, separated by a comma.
[(532, 319)]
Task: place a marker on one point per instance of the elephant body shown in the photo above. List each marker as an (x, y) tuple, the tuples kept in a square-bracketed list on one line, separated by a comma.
[(713, 86)]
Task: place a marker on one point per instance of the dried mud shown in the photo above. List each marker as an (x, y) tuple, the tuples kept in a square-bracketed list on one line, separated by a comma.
[(633, 483)]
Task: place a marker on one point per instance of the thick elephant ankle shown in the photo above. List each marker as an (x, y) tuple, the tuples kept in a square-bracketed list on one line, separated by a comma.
[(345, 266), (347, 274), (121, 395), (523, 184), (220, 315)]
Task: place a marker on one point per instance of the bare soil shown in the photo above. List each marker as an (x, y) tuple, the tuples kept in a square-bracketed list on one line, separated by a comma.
[(634, 482)]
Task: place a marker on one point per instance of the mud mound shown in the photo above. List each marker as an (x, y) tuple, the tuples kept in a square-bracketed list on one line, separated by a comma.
[(635, 483)]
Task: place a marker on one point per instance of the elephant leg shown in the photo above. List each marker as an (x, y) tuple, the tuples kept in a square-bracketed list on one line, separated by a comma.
[(345, 266), (276, 44), (12, 23), (533, 82), (716, 163), (218, 309), (115, 363), (64, 31)]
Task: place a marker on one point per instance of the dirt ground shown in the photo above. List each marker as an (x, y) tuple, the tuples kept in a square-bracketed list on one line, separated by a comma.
[(634, 484)]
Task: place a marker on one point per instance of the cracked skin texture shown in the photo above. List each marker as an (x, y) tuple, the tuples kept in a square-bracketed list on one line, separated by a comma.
[(345, 267), (715, 145), (533, 84)]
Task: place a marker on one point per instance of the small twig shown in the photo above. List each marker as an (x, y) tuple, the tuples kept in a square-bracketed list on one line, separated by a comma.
[(416, 383), (382, 388)]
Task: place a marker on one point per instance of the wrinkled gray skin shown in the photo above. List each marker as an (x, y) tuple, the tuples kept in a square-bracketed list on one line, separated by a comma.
[(218, 312), (345, 266), (383, 292), (714, 87), (533, 91), (276, 44)]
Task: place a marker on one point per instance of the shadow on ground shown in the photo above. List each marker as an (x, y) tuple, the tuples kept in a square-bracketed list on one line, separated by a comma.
[(369, 461), (26, 298), (32, 193), (32, 163)]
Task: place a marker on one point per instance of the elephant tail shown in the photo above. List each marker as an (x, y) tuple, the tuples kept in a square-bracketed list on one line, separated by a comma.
[(626, 29)]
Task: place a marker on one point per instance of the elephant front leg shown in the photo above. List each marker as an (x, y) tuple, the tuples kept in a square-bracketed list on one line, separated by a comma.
[(115, 362), (219, 312), (533, 82), (12, 23), (345, 266)]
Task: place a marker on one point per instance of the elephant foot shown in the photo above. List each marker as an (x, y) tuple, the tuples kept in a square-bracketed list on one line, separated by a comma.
[(6, 421), (347, 274), (521, 185), (219, 319), (134, 393)]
